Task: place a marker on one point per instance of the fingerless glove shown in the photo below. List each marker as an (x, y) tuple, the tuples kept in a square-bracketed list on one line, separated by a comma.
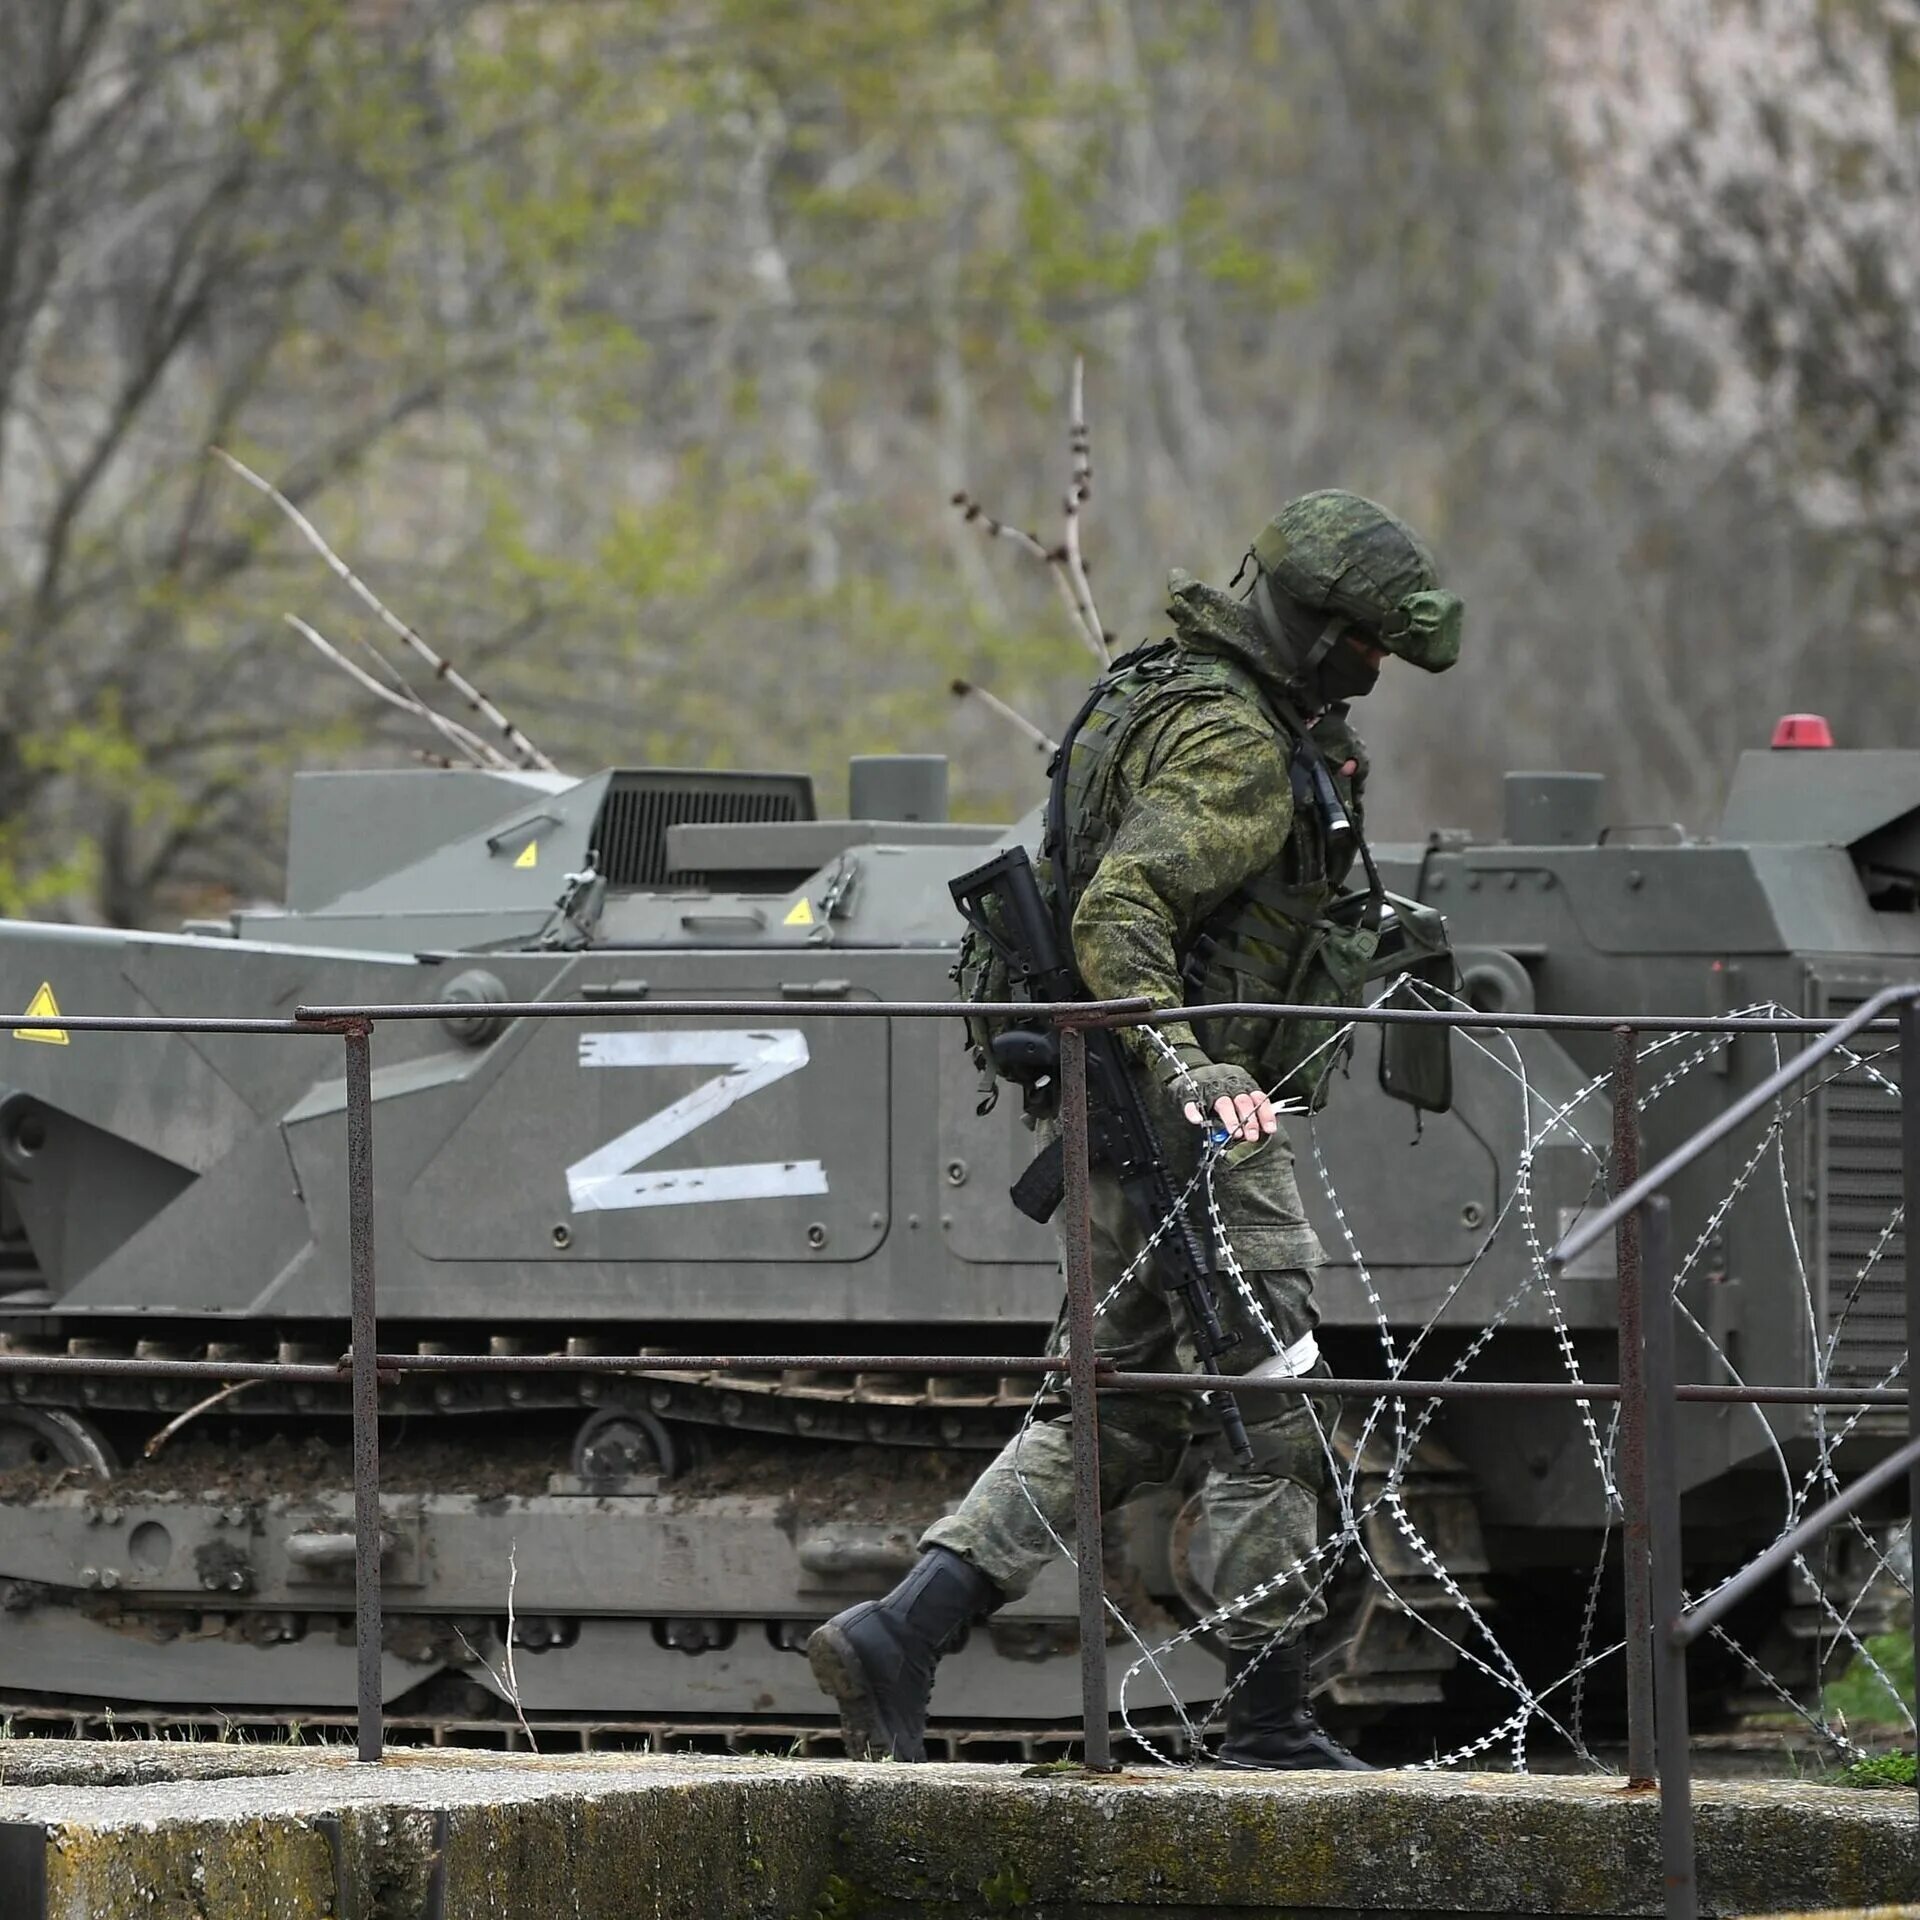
[(1206, 1081)]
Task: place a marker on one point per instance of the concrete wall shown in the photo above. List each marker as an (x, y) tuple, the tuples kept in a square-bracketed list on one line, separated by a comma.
[(102, 1832)]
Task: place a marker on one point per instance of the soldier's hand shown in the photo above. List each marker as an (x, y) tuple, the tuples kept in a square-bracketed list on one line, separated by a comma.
[(1237, 1105), (1244, 1116)]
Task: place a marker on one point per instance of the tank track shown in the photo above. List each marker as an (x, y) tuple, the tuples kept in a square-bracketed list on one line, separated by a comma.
[(1380, 1657), (796, 1739), (862, 1405)]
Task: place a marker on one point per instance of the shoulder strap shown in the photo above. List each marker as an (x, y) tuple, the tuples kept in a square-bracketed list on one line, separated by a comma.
[(1053, 840), (1308, 749)]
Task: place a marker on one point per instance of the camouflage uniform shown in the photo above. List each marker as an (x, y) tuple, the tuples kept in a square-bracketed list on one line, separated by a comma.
[(1201, 848), (1196, 875), (1261, 1519)]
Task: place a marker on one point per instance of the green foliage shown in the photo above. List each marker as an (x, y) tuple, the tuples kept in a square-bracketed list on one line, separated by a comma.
[(1005, 1890), (1063, 249), (1222, 250), (838, 1899), (34, 880), (1862, 1696), (1883, 1770)]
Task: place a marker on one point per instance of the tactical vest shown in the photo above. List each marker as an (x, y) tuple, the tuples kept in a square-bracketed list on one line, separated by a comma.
[(1275, 939)]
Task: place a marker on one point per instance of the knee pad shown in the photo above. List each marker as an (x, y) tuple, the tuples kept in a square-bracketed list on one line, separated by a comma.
[(1152, 1429)]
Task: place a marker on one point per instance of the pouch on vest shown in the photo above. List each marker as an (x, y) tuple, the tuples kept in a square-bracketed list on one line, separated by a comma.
[(979, 973), (1330, 970), (1416, 1061)]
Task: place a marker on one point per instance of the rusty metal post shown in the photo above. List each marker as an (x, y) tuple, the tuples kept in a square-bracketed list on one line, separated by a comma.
[(1668, 1582), (1910, 1199), (1077, 1232), (1633, 1416), (366, 1385)]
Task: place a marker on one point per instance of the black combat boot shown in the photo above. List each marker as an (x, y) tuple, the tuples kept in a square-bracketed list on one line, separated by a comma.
[(1270, 1720), (877, 1659)]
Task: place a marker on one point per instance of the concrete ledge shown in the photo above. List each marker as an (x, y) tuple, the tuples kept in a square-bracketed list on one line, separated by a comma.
[(216, 1833)]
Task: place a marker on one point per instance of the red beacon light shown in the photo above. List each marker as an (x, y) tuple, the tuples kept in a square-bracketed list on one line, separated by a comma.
[(1802, 730)]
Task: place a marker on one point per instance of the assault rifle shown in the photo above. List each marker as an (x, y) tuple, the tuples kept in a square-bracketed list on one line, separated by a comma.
[(1003, 903)]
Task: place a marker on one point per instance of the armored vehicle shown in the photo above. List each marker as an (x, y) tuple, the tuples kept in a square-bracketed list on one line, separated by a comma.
[(624, 1554)]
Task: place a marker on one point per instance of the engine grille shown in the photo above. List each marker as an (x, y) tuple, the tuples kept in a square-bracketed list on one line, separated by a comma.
[(1860, 1188), (630, 837)]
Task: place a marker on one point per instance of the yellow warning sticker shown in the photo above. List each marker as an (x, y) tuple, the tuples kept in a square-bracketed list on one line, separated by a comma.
[(531, 858), (43, 1006), (800, 914)]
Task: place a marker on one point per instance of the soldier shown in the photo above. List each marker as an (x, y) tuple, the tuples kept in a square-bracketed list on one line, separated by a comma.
[(1214, 799)]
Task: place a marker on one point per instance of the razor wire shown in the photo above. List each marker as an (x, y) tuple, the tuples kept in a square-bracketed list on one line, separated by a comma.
[(1350, 1533), (1461, 1625)]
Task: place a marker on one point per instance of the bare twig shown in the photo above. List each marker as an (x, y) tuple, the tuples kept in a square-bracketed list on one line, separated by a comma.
[(475, 751), (443, 668), (975, 514), (1054, 558), (513, 1679), (1064, 562), (151, 1451), (507, 1681), (966, 690), (1079, 492)]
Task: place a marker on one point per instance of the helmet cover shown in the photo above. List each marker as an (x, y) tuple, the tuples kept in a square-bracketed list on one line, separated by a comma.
[(1336, 553)]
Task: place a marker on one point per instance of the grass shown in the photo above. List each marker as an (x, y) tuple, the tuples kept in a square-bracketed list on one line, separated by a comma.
[(1863, 1697), (1862, 1701), (1883, 1770)]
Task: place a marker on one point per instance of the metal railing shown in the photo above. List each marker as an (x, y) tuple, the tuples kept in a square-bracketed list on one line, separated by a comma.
[(1659, 1624), (1640, 1215)]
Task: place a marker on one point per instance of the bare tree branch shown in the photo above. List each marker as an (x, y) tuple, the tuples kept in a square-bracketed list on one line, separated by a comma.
[(1064, 561), (152, 1450), (444, 669), (504, 1677), (475, 751), (966, 690), (1079, 491), (1054, 558), (28, 257)]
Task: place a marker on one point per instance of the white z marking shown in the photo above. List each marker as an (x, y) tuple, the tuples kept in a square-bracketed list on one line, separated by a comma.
[(605, 1181)]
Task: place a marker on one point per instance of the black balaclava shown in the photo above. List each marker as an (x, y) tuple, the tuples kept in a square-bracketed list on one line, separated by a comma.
[(1324, 669), (1346, 673)]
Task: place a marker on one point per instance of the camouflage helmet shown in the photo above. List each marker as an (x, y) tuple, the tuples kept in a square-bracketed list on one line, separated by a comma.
[(1337, 554)]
